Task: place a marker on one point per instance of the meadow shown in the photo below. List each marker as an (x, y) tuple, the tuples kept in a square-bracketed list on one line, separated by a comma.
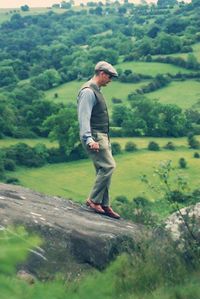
[(74, 179), (68, 92), (141, 142), (151, 68), (183, 93)]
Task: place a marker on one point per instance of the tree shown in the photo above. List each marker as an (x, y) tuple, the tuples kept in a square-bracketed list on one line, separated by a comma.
[(192, 62), (48, 79), (193, 142), (63, 127), (119, 114), (145, 46), (166, 2), (167, 44), (100, 53), (195, 3), (175, 25), (7, 120), (25, 7), (7, 76)]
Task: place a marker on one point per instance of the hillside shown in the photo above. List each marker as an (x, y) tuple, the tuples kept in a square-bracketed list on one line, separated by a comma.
[(46, 57), (62, 248)]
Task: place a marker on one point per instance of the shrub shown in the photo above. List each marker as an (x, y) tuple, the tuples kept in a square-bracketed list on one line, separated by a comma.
[(116, 132), (12, 180), (116, 148), (9, 165), (178, 196), (121, 199), (170, 145), (153, 146), (193, 142), (116, 101), (55, 155), (130, 146), (182, 163), (137, 210), (196, 155)]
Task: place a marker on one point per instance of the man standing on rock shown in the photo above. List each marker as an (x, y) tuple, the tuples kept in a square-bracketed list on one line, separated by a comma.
[(94, 133)]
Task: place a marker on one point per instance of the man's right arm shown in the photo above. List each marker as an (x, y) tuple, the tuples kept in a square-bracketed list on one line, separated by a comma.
[(86, 102)]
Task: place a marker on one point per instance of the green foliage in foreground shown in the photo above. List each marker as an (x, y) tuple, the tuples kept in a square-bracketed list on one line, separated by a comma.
[(154, 271)]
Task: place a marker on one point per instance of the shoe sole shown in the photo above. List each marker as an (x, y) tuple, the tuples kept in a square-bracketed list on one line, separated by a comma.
[(93, 209)]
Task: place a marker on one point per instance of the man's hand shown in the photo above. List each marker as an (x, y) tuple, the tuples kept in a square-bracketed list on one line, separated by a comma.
[(94, 146)]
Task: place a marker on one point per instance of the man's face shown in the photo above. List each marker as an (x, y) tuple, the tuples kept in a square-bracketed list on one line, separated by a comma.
[(105, 78)]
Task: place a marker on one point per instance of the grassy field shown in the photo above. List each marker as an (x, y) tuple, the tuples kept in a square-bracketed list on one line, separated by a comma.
[(184, 94), (68, 92), (151, 68), (74, 179), (141, 142)]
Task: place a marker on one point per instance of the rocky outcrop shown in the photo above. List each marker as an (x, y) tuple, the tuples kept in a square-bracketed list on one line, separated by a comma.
[(75, 238), (184, 225)]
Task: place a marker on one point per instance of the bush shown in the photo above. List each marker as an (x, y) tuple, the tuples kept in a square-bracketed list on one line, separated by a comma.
[(116, 148), (193, 142), (182, 163), (178, 196), (153, 146), (116, 132), (23, 154), (170, 145), (116, 101), (137, 210), (196, 155), (12, 180), (130, 146), (9, 165), (56, 156)]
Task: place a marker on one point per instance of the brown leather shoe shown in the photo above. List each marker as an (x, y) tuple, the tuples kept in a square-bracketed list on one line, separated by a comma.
[(95, 206), (109, 212)]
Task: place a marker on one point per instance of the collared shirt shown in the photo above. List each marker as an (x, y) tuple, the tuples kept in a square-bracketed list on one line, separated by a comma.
[(86, 102)]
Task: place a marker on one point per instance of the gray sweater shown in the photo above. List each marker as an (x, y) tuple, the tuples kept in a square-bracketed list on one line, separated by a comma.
[(86, 102)]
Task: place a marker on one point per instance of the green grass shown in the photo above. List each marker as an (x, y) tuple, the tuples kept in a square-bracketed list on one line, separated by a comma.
[(151, 68), (4, 15), (68, 91), (141, 142), (31, 142), (74, 179), (184, 94)]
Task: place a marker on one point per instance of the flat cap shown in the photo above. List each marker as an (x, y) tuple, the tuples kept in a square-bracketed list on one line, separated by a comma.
[(107, 68)]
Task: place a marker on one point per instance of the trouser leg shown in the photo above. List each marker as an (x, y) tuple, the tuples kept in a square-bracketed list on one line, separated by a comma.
[(104, 164)]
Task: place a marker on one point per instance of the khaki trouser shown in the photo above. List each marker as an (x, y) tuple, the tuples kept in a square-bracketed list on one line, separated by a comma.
[(104, 164)]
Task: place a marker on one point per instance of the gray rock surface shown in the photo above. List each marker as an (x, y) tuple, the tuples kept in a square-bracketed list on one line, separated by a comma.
[(75, 238), (186, 225)]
